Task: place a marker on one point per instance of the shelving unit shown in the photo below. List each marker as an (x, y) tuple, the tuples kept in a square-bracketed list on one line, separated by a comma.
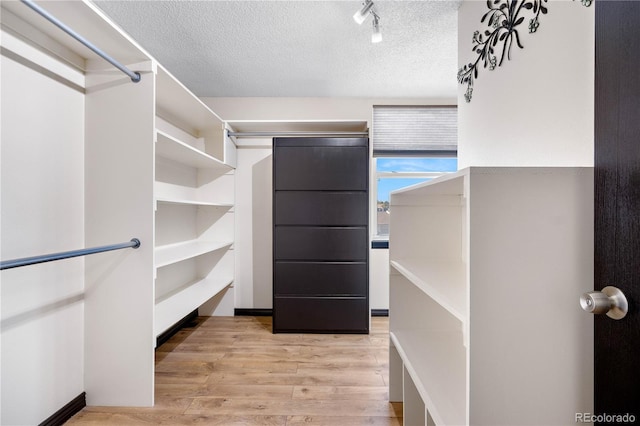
[(158, 166), (194, 205), (486, 266)]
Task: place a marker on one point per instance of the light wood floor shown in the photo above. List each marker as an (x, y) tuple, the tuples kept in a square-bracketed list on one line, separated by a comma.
[(234, 371)]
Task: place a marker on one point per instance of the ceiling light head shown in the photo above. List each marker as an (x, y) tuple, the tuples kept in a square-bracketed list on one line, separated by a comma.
[(361, 15), (376, 37)]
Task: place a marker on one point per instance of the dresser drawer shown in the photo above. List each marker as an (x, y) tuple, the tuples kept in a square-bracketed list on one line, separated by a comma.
[(321, 314), (319, 168), (320, 279), (321, 208), (320, 243)]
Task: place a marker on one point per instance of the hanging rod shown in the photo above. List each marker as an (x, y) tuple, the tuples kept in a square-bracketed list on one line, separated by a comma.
[(135, 76), (299, 134), (25, 261)]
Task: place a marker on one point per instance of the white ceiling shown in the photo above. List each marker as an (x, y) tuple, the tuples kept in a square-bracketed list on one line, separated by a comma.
[(298, 48)]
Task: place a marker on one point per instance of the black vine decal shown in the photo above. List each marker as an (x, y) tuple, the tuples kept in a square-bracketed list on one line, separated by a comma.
[(503, 19)]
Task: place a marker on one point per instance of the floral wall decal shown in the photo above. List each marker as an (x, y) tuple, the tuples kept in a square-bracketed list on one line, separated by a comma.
[(503, 19)]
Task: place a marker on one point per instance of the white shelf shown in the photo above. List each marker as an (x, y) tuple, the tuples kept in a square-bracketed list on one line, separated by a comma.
[(435, 361), (192, 202), (173, 253), (449, 184), (443, 281), (171, 148), (176, 103), (175, 306), (214, 195), (335, 126)]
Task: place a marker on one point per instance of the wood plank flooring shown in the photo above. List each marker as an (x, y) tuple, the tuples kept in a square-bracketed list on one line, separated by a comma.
[(234, 371)]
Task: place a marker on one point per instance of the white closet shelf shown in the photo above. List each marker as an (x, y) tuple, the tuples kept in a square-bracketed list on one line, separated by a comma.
[(449, 184), (171, 148), (176, 101), (192, 202), (435, 361), (443, 281), (175, 306), (180, 194), (173, 253)]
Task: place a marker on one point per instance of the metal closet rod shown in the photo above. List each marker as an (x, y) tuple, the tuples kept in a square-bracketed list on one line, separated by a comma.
[(300, 134), (135, 76), (25, 261)]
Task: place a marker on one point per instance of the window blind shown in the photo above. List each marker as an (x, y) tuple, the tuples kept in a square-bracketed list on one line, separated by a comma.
[(415, 130)]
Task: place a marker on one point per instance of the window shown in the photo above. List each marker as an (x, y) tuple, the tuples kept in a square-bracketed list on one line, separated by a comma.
[(411, 144), (394, 173)]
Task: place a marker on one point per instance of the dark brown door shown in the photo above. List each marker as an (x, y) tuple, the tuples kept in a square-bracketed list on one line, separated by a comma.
[(617, 206)]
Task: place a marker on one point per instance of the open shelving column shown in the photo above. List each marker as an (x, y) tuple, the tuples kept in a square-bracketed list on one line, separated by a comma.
[(428, 304), (486, 268), (194, 206)]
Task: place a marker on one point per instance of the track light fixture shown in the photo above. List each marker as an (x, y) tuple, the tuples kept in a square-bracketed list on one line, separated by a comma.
[(361, 15), (376, 37)]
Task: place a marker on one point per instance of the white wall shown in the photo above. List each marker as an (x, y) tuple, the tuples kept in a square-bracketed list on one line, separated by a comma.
[(537, 108), (379, 278), (42, 212), (253, 187), (253, 213)]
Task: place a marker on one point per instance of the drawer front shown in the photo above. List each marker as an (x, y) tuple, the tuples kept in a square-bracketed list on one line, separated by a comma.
[(321, 208), (320, 279), (329, 315), (321, 168), (320, 243)]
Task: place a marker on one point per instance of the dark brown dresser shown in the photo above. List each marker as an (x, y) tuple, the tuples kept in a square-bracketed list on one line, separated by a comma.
[(321, 235)]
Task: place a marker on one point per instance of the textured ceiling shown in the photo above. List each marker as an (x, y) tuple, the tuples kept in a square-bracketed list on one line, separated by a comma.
[(298, 48)]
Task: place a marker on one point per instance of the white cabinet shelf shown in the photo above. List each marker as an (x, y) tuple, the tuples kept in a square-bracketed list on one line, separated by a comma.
[(443, 281), (173, 149), (214, 195), (172, 253), (192, 202), (486, 266), (176, 305), (176, 104), (439, 356)]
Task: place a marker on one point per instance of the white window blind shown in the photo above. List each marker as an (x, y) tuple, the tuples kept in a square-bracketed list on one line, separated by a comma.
[(415, 130)]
